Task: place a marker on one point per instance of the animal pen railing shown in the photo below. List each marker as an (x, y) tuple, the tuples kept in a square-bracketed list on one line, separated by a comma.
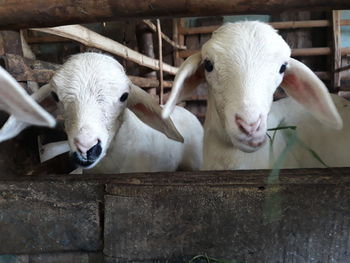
[(161, 217)]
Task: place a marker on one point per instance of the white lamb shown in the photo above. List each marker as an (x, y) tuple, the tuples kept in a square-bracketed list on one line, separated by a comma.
[(108, 121), (243, 64), (24, 109)]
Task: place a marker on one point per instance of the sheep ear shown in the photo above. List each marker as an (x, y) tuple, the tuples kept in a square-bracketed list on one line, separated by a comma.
[(305, 87), (189, 76), (17, 102), (149, 111)]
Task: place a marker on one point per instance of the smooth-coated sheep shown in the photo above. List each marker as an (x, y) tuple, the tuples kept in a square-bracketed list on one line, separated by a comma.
[(243, 63), (116, 126)]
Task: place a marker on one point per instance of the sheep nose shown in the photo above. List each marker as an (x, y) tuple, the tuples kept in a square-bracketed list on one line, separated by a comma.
[(247, 128), (84, 145)]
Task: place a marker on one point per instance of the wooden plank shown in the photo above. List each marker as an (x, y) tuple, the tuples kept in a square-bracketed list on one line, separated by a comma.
[(336, 51), (315, 51), (42, 217), (68, 257), (23, 69), (232, 215), (92, 39), (276, 25), (62, 12)]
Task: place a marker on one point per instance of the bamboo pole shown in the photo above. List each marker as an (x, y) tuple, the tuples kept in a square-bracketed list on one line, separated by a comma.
[(276, 25), (92, 39), (165, 37), (160, 51)]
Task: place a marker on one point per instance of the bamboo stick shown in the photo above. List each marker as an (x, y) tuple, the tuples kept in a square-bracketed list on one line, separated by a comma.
[(92, 39), (160, 51), (165, 37)]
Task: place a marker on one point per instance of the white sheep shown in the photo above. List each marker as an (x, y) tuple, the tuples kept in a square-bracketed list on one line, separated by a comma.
[(24, 109), (114, 126), (243, 63)]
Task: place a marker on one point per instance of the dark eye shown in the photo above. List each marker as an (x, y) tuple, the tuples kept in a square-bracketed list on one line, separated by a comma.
[(283, 68), (54, 96), (124, 97), (208, 65)]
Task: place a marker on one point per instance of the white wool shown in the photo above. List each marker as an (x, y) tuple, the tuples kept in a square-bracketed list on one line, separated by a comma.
[(89, 87), (247, 58)]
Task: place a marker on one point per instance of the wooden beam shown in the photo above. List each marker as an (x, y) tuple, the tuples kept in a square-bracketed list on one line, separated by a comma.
[(315, 51), (40, 13), (92, 39), (276, 25), (179, 38), (23, 69), (343, 68)]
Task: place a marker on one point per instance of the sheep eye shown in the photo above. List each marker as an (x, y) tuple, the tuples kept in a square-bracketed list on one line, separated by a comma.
[(208, 65), (124, 97), (283, 68), (54, 96)]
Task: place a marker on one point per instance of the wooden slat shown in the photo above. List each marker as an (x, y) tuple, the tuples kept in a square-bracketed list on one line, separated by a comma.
[(92, 39), (277, 25), (336, 52), (315, 51)]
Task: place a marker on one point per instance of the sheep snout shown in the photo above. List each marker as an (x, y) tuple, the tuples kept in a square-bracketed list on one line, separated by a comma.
[(84, 145), (91, 156), (248, 128)]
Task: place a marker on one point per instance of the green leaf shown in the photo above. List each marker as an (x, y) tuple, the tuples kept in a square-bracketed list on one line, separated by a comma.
[(282, 128)]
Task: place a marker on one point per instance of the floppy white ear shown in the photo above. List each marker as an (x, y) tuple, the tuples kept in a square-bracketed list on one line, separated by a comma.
[(189, 76), (17, 102), (14, 125), (147, 109), (305, 87)]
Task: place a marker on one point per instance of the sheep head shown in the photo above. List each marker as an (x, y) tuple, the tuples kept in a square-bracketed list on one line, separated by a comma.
[(243, 64), (93, 91)]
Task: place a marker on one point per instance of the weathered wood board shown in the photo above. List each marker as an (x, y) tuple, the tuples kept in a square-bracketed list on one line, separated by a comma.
[(171, 217)]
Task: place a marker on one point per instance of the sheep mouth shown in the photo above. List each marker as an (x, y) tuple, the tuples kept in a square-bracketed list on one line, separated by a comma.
[(91, 158), (251, 144)]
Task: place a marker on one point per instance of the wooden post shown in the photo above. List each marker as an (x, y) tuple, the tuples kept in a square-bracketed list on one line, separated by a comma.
[(336, 59), (179, 38)]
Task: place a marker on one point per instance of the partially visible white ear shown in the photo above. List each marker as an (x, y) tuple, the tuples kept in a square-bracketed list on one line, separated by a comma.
[(15, 125), (17, 102), (305, 87), (189, 76), (147, 109)]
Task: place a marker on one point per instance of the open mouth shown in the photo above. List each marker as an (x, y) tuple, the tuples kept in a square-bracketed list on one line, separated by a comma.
[(92, 156)]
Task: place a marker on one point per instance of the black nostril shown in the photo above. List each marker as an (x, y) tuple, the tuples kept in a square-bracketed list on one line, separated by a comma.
[(94, 152), (91, 156)]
